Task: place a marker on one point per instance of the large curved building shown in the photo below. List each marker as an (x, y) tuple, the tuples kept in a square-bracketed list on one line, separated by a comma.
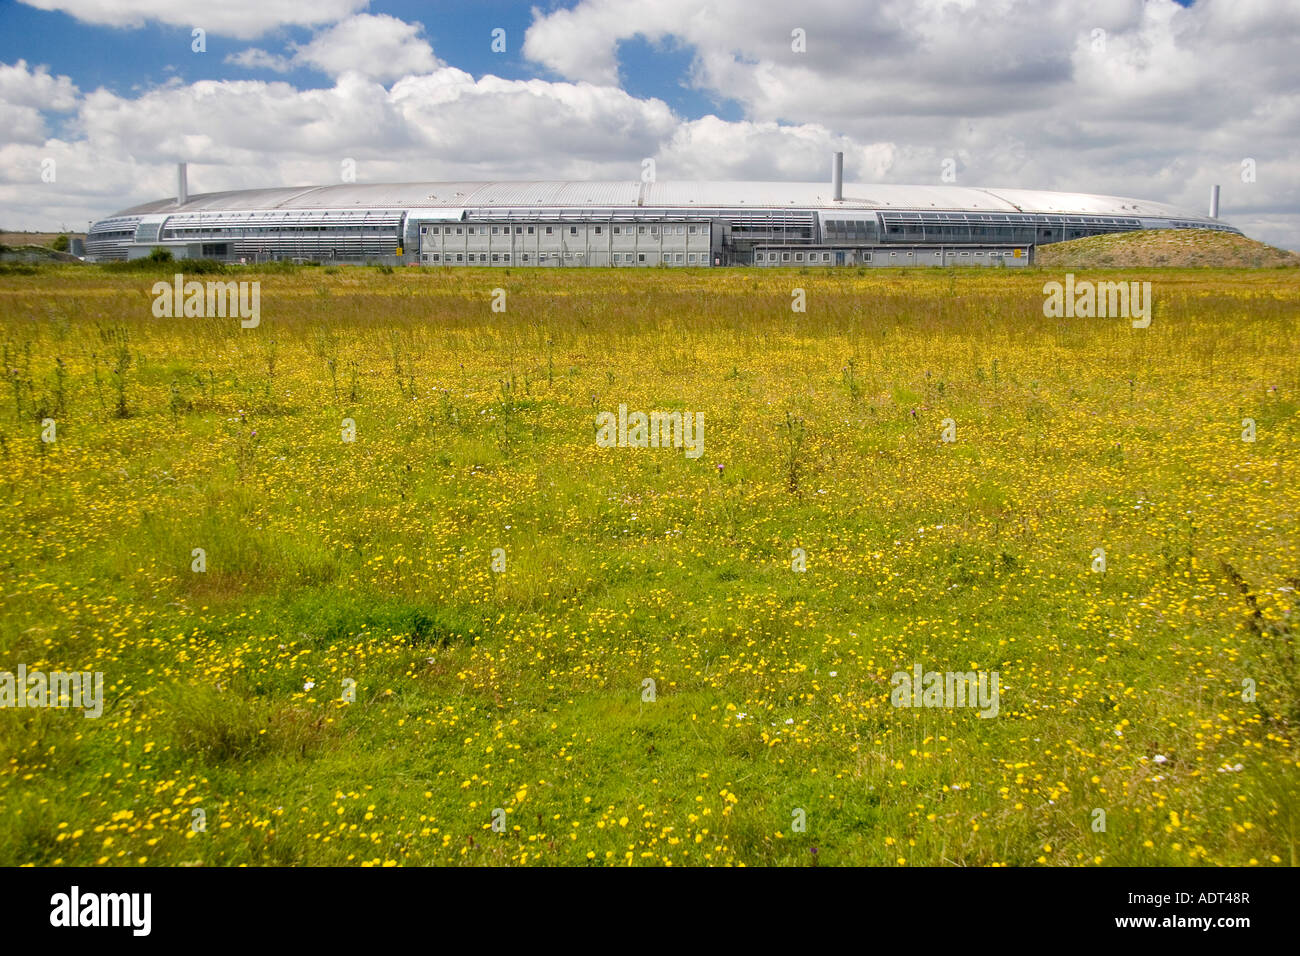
[(624, 224)]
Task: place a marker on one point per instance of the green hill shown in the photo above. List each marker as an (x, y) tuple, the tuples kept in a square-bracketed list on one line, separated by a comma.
[(1164, 247), (33, 255)]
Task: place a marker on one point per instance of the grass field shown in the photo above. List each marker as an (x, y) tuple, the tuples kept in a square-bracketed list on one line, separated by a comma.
[(368, 565)]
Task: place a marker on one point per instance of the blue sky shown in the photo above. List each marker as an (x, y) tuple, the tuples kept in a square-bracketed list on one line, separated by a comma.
[(127, 59), (1154, 99), (122, 59)]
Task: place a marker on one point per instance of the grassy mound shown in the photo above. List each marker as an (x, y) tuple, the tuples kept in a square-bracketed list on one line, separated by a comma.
[(1164, 247), (33, 255)]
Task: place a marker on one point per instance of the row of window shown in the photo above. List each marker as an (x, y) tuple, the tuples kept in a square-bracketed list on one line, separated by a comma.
[(799, 256), (1020, 234), (930, 217), (866, 256), (850, 228), (668, 230), (220, 232), (1176, 224), (651, 258), (323, 242)]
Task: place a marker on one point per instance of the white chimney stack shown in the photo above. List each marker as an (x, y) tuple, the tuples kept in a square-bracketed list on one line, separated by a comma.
[(1214, 202), (182, 187), (837, 177)]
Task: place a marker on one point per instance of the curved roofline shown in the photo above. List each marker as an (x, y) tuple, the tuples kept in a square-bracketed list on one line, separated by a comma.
[(567, 194)]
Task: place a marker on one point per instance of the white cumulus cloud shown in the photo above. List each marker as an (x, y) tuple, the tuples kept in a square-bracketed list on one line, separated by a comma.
[(21, 85), (255, 58), (381, 46), (237, 18)]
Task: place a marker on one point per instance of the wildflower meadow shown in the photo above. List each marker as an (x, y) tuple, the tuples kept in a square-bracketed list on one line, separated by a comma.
[(649, 567)]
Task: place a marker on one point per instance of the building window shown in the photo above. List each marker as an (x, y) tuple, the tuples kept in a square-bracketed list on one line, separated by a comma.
[(548, 230), (598, 228), (654, 230), (640, 230), (496, 230), (525, 259), (460, 257), (690, 230), (798, 257), (495, 257), (679, 257), (458, 232), (691, 257), (785, 257), (640, 255), (573, 230), (530, 230), (616, 230)]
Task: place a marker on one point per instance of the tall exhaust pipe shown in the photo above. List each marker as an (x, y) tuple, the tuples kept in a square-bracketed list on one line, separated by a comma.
[(1214, 202), (837, 177), (182, 187)]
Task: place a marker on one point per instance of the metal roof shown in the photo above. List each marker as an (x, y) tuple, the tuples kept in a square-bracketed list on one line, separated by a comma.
[(713, 195)]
